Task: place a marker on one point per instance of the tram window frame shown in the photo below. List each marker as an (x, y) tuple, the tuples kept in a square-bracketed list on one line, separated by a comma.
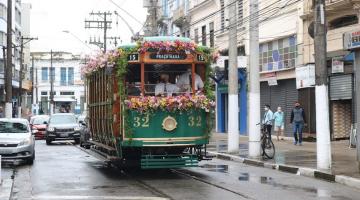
[(133, 80)]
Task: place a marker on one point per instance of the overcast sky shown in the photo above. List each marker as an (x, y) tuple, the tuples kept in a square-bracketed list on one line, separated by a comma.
[(49, 18)]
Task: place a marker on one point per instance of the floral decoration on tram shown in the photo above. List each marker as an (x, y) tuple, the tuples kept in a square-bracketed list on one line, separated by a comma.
[(170, 103)]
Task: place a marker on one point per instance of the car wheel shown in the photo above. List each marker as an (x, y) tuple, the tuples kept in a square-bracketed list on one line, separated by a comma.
[(77, 141), (48, 141), (30, 161)]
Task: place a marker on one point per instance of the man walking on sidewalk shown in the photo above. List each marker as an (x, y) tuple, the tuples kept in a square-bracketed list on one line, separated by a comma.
[(267, 120), (297, 120)]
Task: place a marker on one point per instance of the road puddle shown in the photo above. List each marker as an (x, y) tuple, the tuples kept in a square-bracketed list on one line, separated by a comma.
[(319, 192), (216, 168)]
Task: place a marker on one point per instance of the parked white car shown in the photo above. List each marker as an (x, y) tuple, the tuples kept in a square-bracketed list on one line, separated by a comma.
[(16, 140)]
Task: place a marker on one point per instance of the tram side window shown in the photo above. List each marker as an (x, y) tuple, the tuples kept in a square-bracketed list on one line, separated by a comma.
[(169, 80), (133, 80)]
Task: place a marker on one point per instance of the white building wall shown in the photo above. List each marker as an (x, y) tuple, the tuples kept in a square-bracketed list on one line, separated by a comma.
[(44, 86)]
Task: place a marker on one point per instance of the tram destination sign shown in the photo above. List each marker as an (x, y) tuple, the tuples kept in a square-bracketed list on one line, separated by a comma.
[(351, 40), (168, 56)]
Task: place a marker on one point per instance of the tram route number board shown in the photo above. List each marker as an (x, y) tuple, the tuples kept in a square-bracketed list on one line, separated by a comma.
[(133, 57)]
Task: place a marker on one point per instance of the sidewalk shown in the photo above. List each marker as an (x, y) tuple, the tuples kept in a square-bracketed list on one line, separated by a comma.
[(343, 158)]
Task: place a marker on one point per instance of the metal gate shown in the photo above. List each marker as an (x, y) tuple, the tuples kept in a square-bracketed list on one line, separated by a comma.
[(283, 95)]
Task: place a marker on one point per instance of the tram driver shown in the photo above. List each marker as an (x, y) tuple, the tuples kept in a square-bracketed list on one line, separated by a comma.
[(184, 82), (165, 88)]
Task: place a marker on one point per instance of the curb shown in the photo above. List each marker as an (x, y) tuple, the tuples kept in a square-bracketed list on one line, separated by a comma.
[(300, 171), (5, 188)]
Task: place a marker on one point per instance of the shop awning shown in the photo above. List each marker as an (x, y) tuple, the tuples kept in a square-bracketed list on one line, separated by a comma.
[(64, 99)]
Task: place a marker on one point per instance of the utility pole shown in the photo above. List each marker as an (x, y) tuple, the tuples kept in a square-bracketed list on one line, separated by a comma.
[(51, 83), (254, 82), (32, 79), (103, 23), (8, 69), (233, 122), (22, 43), (323, 145), (115, 39)]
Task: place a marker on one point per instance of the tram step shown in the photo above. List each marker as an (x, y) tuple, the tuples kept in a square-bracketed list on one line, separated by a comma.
[(168, 161)]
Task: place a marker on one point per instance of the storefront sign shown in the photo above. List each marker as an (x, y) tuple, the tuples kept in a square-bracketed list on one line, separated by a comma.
[(271, 79), (223, 88), (337, 65), (168, 56), (352, 40), (305, 76)]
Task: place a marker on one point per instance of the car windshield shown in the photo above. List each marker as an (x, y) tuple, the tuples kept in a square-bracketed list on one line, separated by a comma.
[(13, 127), (40, 120), (62, 119)]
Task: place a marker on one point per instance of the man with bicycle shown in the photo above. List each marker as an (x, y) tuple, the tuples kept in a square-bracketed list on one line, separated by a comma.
[(267, 119)]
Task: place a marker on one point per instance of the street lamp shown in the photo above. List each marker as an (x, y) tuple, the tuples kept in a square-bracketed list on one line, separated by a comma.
[(68, 32)]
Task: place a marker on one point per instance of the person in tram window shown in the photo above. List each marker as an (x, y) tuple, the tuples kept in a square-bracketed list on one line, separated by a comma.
[(184, 82), (165, 88), (132, 90)]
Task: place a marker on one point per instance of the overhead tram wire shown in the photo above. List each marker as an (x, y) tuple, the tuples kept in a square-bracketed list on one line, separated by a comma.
[(134, 18)]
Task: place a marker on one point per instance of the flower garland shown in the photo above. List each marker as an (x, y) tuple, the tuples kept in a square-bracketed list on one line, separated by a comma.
[(110, 58), (168, 46), (177, 103)]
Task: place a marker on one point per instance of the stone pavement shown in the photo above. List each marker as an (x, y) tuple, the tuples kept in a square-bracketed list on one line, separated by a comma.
[(343, 158)]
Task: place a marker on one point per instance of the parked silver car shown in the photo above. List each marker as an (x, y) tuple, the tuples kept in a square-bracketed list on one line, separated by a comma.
[(16, 140)]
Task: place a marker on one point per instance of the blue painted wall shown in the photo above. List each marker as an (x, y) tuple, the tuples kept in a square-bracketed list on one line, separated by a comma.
[(220, 104)]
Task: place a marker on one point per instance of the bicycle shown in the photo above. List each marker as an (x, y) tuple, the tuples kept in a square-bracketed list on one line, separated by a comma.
[(267, 146)]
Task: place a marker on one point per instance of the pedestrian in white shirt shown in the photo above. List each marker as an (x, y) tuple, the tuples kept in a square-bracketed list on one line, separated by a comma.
[(184, 82), (165, 88)]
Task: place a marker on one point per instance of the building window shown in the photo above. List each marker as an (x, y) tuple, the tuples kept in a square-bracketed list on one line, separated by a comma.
[(222, 15), (1, 66), (278, 54), (212, 35), (17, 16), (165, 8), (67, 93), (71, 76), (240, 12), (44, 74), (203, 35), (44, 93), (62, 76), (2, 38), (196, 35), (344, 21), (3, 11)]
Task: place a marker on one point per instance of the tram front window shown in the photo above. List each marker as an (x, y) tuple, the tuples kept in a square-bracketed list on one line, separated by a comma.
[(163, 79), (170, 80)]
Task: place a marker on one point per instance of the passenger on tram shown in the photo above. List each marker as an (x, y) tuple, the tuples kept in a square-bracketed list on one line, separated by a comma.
[(165, 88), (184, 82)]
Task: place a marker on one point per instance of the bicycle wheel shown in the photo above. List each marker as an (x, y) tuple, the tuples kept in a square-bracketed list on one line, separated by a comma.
[(268, 148)]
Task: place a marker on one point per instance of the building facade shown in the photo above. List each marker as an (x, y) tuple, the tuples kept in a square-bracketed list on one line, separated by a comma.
[(17, 33), (68, 84), (341, 16)]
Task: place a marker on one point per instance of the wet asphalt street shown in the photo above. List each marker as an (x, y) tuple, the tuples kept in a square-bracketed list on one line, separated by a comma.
[(63, 171)]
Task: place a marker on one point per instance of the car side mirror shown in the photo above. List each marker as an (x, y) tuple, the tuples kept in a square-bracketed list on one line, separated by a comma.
[(83, 123), (45, 122)]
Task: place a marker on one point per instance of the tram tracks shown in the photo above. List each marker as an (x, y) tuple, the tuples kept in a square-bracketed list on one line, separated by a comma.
[(158, 192)]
